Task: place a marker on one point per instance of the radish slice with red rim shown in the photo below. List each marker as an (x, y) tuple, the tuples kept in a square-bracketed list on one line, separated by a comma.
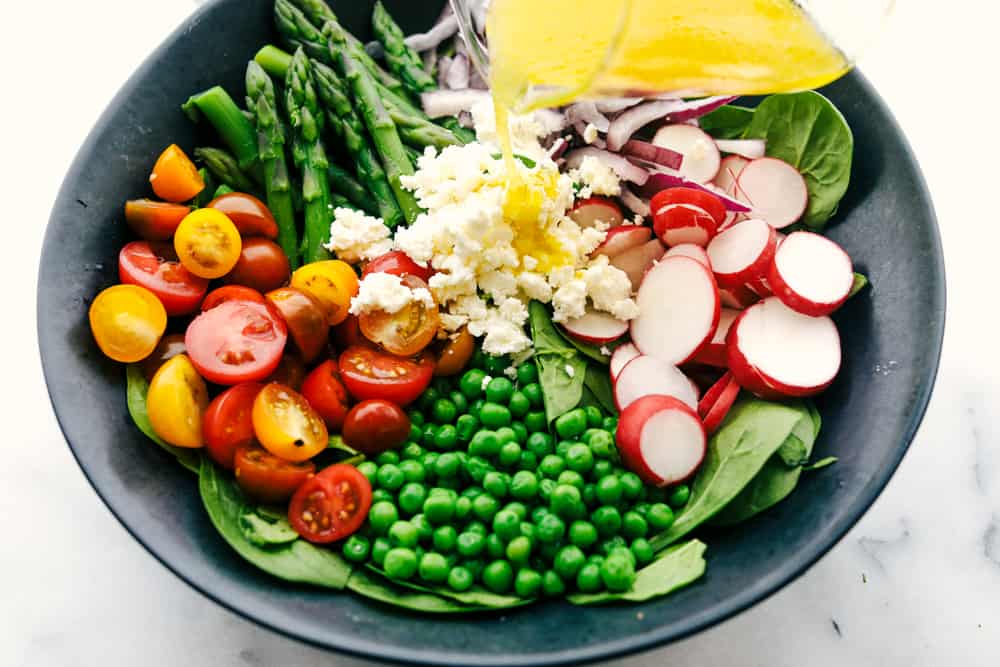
[(620, 357), (635, 262), (678, 310), (737, 297), (647, 375), (717, 402), (623, 237), (714, 353), (811, 274), (701, 155), (742, 253), (595, 327), (695, 252), (588, 212), (661, 439), (775, 190)]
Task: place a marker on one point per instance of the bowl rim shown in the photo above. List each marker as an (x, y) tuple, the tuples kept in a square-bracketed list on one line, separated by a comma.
[(824, 540)]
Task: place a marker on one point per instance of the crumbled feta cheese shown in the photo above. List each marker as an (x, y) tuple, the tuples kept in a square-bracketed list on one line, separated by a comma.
[(510, 372), (386, 292), (525, 130), (590, 133), (610, 289), (355, 236), (569, 301), (605, 351), (596, 178), (485, 383)]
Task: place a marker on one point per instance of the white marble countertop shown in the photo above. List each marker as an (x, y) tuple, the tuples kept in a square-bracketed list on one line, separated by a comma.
[(916, 583)]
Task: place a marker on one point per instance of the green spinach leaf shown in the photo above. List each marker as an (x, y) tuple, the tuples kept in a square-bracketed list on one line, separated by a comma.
[(598, 381), (296, 561), (728, 122), (860, 282), (545, 338), (588, 350), (337, 444), (797, 448), (822, 463), (673, 569), (136, 389), (263, 529), (809, 132), (371, 585), (561, 369)]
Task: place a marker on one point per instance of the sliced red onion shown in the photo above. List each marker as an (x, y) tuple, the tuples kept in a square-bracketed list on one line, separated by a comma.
[(479, 9), (587, 113), (558, 148), (458, 74), (441, 103), (614, 105), (748, 148), (634, 202), (619, 164), (662, 178), (652, 153), (684, 111), (430, 60), (431, 39), (444, 66), (666, 110)]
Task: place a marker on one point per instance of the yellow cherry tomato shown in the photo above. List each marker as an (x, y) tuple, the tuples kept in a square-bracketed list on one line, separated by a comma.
[(127, 322), (286, 425), (333, 283), (174, 177), (208, 243), (176, 402)]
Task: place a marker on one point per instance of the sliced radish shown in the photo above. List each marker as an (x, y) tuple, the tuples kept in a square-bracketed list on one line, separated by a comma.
[(622, 238), (620, 357), (588, 212), (811, 274), (695, 252), (635, 262), (684, 223), (678, 310), (776, 191), (748, 148), (661, 178), (714, 353), (717, 402), (774, 350), (742, 253), (661, 440), (729, 172), (701, 155), (645, 376), (737, 297), (596, 327), (761, 287)]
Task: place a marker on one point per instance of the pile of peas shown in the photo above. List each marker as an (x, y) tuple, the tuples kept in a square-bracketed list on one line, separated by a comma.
[(484, 493)]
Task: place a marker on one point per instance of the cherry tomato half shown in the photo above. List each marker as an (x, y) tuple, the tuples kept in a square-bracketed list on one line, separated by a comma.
[(348, 333), (208, 243), (455, 353), (326, 393), (262, 266), (286, 425), (407, 331), (266, 478), (332, 505), (238, 341), (176, 401), (154, 220), (127, 322), (372, 427), (169, 347), (250, 215), (369, 373), (231, 293), (155, 267), (332, 282), (291, 371), (174, 177), (305, 318), (228, 424), (399, 264)]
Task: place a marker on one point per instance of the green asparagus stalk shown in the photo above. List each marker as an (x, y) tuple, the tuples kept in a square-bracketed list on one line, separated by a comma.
[(340, 201), (230, 122), (413, 153), (309, 155), (263, 103), (205, 196), (348, 126), (464, 134), (401, 59), (224, 167), (382, 131), (274, 61), (345, 185)]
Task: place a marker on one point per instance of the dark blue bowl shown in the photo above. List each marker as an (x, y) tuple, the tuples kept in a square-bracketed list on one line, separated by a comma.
[(892, 337)]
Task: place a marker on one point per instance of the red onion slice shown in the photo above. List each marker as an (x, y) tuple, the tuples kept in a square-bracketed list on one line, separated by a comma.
[(619, 164), (669, 111), (663, 178), (652, 153), (635, 203), (431, 39), (587, 113), (457, 77)]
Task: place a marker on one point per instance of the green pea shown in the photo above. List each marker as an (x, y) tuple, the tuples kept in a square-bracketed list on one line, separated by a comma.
[(380, 547), (517, 508), (381, 516), (528, 461), (528, 583), (506, 525), (550, 529), (538, 512), (520, 432), (476, 468), (610, 424), (403, 534), (566, 502), (470, 545), (607, 520), (356, 548), (416, 432), (580, 458), (485, 507), (660, 516), (386, 458), (476, 406), (613, 544), (471, 492), (369, 470), (497, 365), (679, 496), (594, 416), (495, 484), (413, 471), (583, 534), (510, 454), (429, 459), (412, 497), (519, 404), (460, 579), (596, 559), (416, 417), (499, 390), (498, 576), (589, 493), (506, 434), (519, 550), (602, 444), (466, 427), (528, 530), (634, 525), (424, 527), (642, 550), (545, 489), (571, 424), (485, 444), (426, 400), (563, 447), (381, 495), (444, 538), (524, 485), (471, 384), (536, 422), (494, 415), (475, 567), (552, 584), (527, 373), (540, 444), (601, 469), (551, 465), (411, 451), (572, 478), (390, 477), (447, 465), (477, 526), (632, 487), (428, 434), (433, 567), (609, 490), (588, 579), (568, 561), (495, 548), (444, 411), (442, 384), (618, 573), (439, 508), (400, 563), (463, 507), (446, 437)]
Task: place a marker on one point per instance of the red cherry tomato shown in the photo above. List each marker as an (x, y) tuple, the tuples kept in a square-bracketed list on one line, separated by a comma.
[(221, 295), (325, 392), (251, 216), (238, 341), (348, 333), (266, 478), (262, 266), (227, 424), (369, 373), (399, 264), (290, 372), (155, 267), (372, 427), (154, 220), (305, 317), (332, 505)]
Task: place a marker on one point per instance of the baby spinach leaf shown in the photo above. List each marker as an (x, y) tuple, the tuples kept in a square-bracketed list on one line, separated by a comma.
[(673, 569), (598, 381), (371, 585), (136, 389), (545, 338), (263, 529), (860, 282), (728, 122), (809, 132), (588, 350), (474, 597), (797, 448), (822, 463), (561, 369), (752, 433), (296, 561)]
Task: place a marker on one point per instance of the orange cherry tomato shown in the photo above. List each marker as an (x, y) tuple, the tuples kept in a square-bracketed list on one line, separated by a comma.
[(227, 424), (219, 296), (332, 505), (286, 425), (326, 393), (174, 177), (407, 331), (127, 322), (176, 401), (305, 318), (154, 220), (208, 243), (262, 266), (333, 283), (455, 353), (250, 215), (266, 478)]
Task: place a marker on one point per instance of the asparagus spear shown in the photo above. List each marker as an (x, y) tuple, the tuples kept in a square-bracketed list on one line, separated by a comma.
[(227, 118), (401, 59), (224, 167), (346, 124), (382, 131), (205, 196), (262, 103), (310, 156), (274, 61), (345, 185), (464, 134)]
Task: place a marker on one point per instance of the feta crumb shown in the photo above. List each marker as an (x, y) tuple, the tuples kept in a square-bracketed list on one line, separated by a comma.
[(569, 301), (570, 371), (590, 133), (610, 289), (596, 178), (605, 351), (387, 293), (486, 381), (355, 237), (510, 372)]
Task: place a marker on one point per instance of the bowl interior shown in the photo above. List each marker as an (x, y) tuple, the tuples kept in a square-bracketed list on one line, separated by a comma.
[(891, 333)]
